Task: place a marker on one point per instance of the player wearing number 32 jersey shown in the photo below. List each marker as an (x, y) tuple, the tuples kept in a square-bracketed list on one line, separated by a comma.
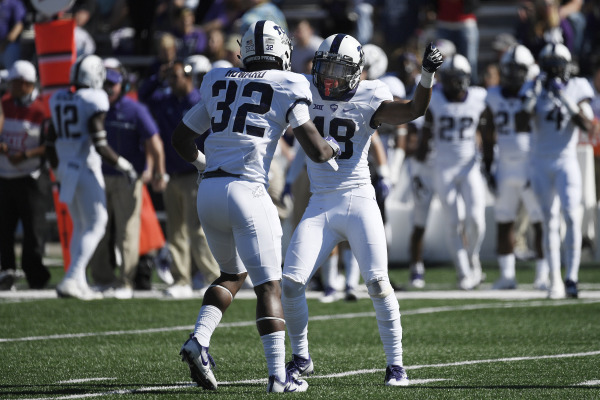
[(343, 206), (248, 111)]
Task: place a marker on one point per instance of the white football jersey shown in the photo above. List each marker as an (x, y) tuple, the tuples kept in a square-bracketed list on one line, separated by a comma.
[(555, 133), (513, 146), (71, 112), (348, 122), (248, 113), (455, 124)]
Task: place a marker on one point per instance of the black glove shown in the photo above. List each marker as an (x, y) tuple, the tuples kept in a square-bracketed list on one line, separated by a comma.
[(432, 59)]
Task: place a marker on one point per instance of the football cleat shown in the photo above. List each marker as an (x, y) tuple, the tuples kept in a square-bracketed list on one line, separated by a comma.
[(300, 366), (395, 376), (350, 295), (505, 284), (71, 288), (7, 279), (466, 283), (541, 284), (557, 291), (571, 289), (329, 295), (200, 363), (291, 384)]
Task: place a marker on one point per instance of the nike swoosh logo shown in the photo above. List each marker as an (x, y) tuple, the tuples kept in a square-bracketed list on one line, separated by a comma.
[(347, 109), (205, 363)]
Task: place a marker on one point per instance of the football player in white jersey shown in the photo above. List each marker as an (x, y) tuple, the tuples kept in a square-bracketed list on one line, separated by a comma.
[(248, 111), (511, 178), (559, 107), (342, 205), (451, 123), (77, 144)]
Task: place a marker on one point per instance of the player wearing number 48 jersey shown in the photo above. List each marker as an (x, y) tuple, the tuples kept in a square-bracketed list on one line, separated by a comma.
[(248, 111), (558, 106), (76, 146), (343, 206)]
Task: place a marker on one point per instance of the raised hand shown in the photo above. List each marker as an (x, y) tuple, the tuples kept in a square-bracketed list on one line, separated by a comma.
[(432, 59)]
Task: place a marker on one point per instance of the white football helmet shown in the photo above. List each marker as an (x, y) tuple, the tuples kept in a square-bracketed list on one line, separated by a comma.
[(455, 76), (515, 67), (376, 61), (337, 65), (265, 41), (555, 60), (198, 66), (88, 71)]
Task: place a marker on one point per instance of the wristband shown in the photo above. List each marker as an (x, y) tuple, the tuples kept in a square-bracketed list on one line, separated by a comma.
[(200, 161), (427, 79)]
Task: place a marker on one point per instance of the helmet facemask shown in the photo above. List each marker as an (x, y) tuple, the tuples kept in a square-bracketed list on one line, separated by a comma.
[(512, 77), (555, 67), (334, 74), (454, 84)]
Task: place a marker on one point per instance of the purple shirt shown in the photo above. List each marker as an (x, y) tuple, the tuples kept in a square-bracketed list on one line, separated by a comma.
[(11, 13), (128, 126), (168, 111)]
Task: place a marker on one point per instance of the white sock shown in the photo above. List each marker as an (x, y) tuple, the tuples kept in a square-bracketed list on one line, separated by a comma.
[(352, 269), (387, 312), (274, 345), (507, 266), (418, 268), (295, 310), (208, 319), (541, 269)]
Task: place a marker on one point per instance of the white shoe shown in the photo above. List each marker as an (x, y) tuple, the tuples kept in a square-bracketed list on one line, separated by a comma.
[(505, 284), (200, 363), (466, 283), (72, 288), (123, 293), (395, 376), (179, 292), (557, 291), (291, 384), (541, 284), (329, 296)]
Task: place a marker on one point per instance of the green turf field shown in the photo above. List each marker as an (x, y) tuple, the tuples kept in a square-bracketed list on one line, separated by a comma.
[(454, 348)]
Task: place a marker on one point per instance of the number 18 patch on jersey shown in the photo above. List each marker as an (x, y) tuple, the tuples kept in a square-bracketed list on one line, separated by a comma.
[(348, 122)]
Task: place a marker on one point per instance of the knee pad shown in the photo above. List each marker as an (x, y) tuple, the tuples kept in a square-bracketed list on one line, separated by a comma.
[(291, 288), (379, 287)]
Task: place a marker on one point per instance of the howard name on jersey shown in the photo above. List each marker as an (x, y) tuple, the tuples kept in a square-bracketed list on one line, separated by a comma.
[(71, 112), (555, 133), (248, 113), (455, 126), (513, 146), (350, 123)]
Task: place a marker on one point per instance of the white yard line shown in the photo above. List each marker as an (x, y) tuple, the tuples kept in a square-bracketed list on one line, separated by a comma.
[(418, 311), (336, 375)]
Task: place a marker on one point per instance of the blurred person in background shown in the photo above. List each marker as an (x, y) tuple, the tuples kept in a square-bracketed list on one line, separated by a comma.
[(22, 197), (132, 132), (12, 18), (183, 225)]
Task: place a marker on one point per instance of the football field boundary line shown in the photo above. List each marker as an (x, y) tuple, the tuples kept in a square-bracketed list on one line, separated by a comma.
[(340, 375), (418, 311)]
